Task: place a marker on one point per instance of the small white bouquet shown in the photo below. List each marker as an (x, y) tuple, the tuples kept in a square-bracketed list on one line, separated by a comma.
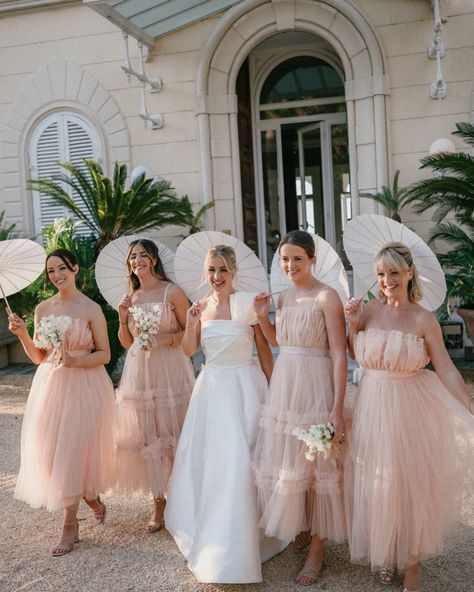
[(318, 438), (50, 331), (148, 324)]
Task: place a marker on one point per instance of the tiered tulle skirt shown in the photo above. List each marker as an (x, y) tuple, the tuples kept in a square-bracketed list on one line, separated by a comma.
[(152, 401), (295, 494), (406, 468), (67, 446)]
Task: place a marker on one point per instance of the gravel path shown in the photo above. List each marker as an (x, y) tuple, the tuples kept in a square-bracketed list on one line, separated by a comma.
[(121, 557)]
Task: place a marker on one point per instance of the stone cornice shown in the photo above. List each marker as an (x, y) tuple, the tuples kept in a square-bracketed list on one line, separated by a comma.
[(18, 5)]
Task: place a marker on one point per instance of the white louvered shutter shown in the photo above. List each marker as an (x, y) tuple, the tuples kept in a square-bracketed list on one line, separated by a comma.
[(64, 137)]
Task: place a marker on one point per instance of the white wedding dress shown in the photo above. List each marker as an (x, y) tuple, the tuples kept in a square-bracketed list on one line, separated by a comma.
[(212, 501)]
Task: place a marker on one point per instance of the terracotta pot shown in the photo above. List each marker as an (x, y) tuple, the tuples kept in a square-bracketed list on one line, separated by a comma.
[(467, 315)]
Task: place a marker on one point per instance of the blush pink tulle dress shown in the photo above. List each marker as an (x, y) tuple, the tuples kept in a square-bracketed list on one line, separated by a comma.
[(152, 400), (406, 453), (295, 494), (67, 449)]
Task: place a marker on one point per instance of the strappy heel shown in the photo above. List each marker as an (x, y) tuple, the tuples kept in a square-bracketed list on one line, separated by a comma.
[(386, 575), (152, 525), (302, 540), (100, 514), (313, 574), (66, 544)]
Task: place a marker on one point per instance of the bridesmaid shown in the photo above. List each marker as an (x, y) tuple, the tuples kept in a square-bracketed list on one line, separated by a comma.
[(299, 499), (405, 473), (156, 383), (67, 442)]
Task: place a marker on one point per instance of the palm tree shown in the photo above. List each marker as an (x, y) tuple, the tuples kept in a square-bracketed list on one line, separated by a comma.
[(393, 198), (110, 209), (451, 192), (195, 220), (7, 231)]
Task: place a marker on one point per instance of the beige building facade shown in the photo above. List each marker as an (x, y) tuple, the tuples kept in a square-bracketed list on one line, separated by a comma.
[(281, 111)]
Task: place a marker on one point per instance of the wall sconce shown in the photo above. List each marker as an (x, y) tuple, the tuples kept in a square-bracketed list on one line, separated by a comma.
[(140, 169), (442, 145), (437, 147)]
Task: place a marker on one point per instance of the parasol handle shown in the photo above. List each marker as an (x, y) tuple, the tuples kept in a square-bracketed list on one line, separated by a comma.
[(368, 290), (9, 310)]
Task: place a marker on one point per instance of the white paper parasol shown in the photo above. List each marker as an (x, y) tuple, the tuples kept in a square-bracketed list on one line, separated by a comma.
[(328, 269), (111, 267), (365, 235), (190, 257), (21, 262)]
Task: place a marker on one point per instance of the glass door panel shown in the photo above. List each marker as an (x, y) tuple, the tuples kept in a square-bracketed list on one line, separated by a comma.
[(309, 180), (340, 183), (273, 218)]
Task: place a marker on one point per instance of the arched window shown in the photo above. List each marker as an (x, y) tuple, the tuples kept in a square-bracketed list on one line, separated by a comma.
[(60, 137), (301, 78)]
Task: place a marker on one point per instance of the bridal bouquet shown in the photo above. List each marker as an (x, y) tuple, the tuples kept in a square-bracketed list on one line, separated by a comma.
[(148, 324), (50, 331), (318, 438)]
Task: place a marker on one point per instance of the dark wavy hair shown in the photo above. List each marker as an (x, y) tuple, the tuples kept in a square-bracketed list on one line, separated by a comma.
[(67, 257), (299, 238), (152, 251)]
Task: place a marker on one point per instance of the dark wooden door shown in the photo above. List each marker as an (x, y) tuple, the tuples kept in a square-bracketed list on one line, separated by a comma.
[(249, 206)]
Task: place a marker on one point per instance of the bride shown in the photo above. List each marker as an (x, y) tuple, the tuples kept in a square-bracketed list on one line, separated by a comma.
[(212, 502)]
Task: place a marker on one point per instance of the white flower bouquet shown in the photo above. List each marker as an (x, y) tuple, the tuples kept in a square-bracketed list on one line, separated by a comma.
[(318, 438), (147, 323), (50, 331)]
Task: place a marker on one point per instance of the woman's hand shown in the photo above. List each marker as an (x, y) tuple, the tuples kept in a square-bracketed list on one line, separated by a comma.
[(123, 307), (261, 305), (353, 310), (16, 325), (337, 420), (194, 313), (69, 361)]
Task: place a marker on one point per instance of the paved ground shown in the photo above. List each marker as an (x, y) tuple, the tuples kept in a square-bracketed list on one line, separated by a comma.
[(121, 557)]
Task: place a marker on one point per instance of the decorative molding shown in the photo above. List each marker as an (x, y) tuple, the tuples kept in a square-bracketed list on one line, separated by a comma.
[(17, 5), (352, 37), (60, 85)]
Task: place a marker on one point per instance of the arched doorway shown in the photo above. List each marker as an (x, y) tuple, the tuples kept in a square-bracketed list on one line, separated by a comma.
[(301, 149), (335, 31)]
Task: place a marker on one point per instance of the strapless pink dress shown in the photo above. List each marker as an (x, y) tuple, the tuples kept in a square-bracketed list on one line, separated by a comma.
[(406, 448), (67, 449)]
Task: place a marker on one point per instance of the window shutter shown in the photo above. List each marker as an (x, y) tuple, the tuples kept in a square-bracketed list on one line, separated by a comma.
[(80, 146), (64, 137), (47, 156)]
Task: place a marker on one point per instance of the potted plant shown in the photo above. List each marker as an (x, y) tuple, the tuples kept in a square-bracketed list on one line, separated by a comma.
[(451, 194)]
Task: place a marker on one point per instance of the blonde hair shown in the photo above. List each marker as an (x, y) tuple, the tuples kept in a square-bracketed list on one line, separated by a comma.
[(224, 252), (398, 256)]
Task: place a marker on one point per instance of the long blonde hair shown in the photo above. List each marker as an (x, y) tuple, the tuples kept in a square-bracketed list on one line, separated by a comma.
[(398, 256)]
